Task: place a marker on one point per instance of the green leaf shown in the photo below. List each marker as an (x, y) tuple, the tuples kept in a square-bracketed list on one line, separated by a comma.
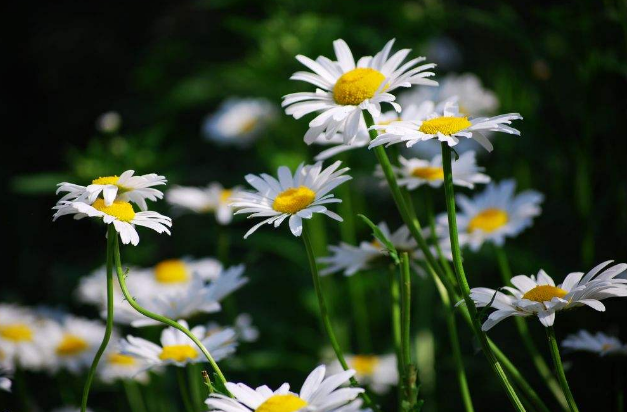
[(378, 234)]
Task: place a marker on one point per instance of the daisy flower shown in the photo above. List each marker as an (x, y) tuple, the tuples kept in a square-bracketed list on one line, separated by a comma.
[(75, 342), (120, 213), (415, 172), (538, 295), (318, 393), (239, 122), (214, 198), (345, 88), (296, 196), (179, 350), (116, 366), (446, 125), (23, 338), (126, 187), (493, 215), (379, 373), (599, 343)]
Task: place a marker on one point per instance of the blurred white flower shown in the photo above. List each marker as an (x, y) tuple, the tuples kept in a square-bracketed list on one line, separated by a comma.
[(599, 343), (5, 379), (109, 122), (75, 342), (379, 373), (24, 341), (214, 199), (246, 331), (115, 365)]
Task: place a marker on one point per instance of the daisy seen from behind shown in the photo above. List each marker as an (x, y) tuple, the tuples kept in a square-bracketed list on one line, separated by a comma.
[(319, 393), (598, 343), (346, 87), (296, 196), (539, 296)]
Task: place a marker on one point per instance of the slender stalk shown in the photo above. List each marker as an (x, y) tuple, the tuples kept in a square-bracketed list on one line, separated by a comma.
[(525, 335), (134, 396), (463, 282), (395, 297), (111, 235), (559, 369), (180, 375), (194, 378), (131, 300), (324, 313), (410, 375)]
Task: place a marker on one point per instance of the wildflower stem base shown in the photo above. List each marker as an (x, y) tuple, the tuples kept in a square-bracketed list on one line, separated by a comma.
[(559, 368)]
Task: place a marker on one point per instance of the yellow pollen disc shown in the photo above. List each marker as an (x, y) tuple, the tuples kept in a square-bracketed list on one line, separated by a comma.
[(282, 403), (107, 180), (17, 332), (171, 271), (428, 173), (122, 360), (293, 200), (364, 364), (225, 195), (544, 293), (248, 126), (178, 353), (446, 125), (488, 220), (72, 345), (119, 209), (607, 346), (355, 86)]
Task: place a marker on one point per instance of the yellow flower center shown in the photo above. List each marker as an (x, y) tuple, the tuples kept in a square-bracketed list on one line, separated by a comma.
[(428, 173), (248, 126), (357, 85), (488, 220), (544, 293), (607, 346), (178, 353), (447, 125), (17, 332), (107, 180), (282, 403), (293, 199), (171, 271), (364, 364), (119, 209), (121, 360), (225, 195), (72, 345)]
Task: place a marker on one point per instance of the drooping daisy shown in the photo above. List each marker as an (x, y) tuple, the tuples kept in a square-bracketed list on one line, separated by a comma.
[(179, 350), (297, 197), (538, 295), (116, 365), (345, 88), (75, 342), (318, 394), (214, 199), (379, 373), (599, 343), (416, 172), (446, 125), (126, 188), (238, 122), (493, 215), (120, 213), (23, 338)]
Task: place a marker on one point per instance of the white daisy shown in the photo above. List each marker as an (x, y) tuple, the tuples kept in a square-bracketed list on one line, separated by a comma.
[(416, 172), (239, 122), (115, 366), (120, 213), (345, 88), (297, 197), (126, 187), (318, 394), (214, 198), (23, 338), (75, 342), (446, 125), (179, 350), (493, 215), (599, 343), (379, 373), (538, 295)]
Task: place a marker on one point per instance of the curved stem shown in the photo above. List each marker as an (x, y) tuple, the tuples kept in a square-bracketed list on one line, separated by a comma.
[(111, 235), (525, 335), (463, 282), (324, 313), (559, 369), (159, 318)]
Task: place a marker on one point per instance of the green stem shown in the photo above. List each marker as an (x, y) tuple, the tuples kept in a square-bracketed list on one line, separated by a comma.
[(410, 375), (111, 235), (180, 375), (395, 297), (463, 282), (324, 314), (134, 396), (131, 300), (559, 369), (525, 335), (195, 380)]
